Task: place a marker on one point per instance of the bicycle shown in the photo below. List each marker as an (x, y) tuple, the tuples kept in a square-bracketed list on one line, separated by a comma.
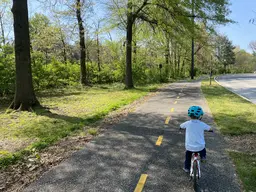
[(195, 171)]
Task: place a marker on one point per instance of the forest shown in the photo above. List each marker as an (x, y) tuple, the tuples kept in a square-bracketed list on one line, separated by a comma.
[(130, 42), (68, 68)]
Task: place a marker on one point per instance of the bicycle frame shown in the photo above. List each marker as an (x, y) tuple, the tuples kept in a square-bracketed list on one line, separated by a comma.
[(195, 158)]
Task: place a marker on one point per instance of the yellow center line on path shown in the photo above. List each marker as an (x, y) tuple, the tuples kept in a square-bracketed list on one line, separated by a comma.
[(159, 140), (172, 109), (167, 120), (141, 183)]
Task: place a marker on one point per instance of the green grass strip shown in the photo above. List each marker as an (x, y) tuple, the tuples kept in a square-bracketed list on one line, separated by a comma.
[(246, 168), (233, 114), (72, 110)]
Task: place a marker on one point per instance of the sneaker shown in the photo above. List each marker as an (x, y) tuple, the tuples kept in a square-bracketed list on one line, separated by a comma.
[(186, 170), (203, 160)]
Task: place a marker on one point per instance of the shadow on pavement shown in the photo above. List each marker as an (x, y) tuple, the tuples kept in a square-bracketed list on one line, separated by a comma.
[(116, 159)]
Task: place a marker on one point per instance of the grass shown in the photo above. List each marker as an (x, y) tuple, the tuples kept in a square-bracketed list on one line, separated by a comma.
[(92, 131), (246, 168), (234, 116), (70, 110)]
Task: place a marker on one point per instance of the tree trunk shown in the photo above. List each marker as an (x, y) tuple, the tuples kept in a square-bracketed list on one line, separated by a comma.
[(128, 77), (167, 51), (64, 48), (98, 53), (175, 59), (2, 29), (171, 59), (192, 51), (98, 57), (24, 93), (134, 44), (83, 75), (135, 52), (182, 68), (89, 69), (192, 73), (179, 58)]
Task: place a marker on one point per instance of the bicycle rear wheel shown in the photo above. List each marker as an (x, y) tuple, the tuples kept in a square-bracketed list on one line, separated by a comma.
[(195, 176)]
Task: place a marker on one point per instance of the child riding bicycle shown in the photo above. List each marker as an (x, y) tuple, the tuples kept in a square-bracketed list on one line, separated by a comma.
[(194, 140)]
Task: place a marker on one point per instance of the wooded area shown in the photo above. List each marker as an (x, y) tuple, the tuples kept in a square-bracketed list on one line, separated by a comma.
[(136, 42), (73, 69)]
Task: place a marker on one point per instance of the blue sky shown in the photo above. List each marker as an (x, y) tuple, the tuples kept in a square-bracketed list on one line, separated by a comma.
[(243, 32)]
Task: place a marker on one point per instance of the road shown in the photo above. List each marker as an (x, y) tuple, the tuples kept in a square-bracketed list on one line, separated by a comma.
[(241, 84), (146, 144)]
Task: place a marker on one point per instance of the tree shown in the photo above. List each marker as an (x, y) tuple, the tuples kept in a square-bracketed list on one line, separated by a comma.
[(252, 45), (83, 76), (171, 15), (209, 12), (70, 10), (4, 19), (98, 45), (225, 52), (245, 62), (133, 12), (24, 93)]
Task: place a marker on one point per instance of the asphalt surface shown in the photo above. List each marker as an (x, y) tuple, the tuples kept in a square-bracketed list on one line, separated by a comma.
[(115, 160), (241, 84)]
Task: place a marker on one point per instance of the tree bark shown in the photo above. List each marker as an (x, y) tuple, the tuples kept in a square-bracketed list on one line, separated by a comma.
[(83, 75), (179, 58), (182, 68), (135, 51), (167, 51), (98, 53), (98, 57), (175, 59), (24, 93), (2, 29), (128, 77), (193, 39), (64, 48)]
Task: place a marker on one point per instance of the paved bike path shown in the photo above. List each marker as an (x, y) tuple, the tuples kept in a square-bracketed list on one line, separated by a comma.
[(115, 161)]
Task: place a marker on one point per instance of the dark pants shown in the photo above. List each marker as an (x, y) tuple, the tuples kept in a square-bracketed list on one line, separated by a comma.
[(188, 157)]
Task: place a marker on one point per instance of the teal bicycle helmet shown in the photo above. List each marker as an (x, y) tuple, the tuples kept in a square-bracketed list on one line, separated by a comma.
[(195, 111)]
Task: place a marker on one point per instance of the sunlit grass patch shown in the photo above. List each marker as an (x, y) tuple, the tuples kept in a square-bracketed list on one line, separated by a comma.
[(232, 114), (66, 111)]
